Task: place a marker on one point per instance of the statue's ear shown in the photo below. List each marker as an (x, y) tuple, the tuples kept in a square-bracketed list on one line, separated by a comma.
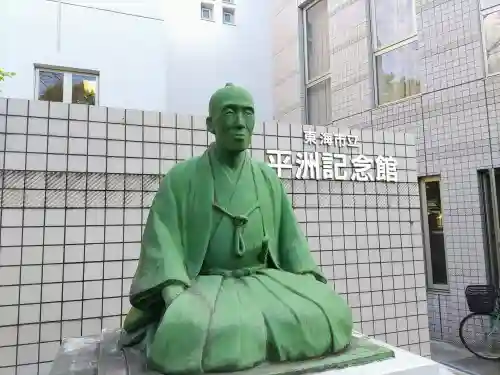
[(210, 125)]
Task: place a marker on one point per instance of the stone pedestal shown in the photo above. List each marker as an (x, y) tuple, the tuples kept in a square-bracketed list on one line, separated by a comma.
[(403, 363), (100, 355)]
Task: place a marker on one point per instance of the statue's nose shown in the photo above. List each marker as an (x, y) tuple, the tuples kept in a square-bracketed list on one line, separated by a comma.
[(241, 119)]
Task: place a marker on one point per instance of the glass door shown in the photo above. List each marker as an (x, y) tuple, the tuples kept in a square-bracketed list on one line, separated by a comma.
[(433, 231), (490, 195)]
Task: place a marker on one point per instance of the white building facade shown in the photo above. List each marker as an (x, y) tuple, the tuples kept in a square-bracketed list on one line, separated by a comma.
[(146, 54)]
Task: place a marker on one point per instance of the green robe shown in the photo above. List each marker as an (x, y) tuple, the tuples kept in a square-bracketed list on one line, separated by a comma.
[(253, 294)]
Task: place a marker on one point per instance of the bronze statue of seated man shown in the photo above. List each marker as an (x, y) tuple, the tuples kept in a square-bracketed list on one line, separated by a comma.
[(226, 280)]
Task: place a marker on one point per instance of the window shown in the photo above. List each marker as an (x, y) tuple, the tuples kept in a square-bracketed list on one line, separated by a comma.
[(228, 1), (65, 86), (489, 3), (396, 49), (228, 16), (432, 225), (207, 11), (317, 63), (491, 31)]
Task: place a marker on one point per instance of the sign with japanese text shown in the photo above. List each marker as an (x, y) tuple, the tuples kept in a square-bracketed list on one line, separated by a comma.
[(333, 166)]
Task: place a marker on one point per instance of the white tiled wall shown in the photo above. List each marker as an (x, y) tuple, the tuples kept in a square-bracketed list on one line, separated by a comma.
[(76, 184)]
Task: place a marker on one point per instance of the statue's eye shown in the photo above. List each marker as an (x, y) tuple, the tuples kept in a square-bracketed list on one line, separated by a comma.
[(248, 113), (229, 112)]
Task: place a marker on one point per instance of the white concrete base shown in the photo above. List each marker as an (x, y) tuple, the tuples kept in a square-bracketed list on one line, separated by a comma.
[(404, 363), (97, 355)]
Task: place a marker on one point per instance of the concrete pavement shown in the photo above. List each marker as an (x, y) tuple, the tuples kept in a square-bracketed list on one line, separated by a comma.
[(461, 361)]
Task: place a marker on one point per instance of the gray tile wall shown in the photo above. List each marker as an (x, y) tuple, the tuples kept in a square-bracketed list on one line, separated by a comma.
[(76, 184), (454, 131), (454, 143), (455, 121)]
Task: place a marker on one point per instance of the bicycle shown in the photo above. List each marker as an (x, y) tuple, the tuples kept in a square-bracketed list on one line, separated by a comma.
[(483, 323)]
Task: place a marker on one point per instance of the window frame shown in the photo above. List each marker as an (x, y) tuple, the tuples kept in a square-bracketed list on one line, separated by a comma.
[(483, 13), (426, 236), (206, 6), (311, 82), (67, 81), (379, 51), (230, 11)]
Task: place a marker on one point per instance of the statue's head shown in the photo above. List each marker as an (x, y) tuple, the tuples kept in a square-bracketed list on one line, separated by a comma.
[(231, 117)]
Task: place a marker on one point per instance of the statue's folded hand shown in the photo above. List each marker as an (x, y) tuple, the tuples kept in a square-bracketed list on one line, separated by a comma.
[(171, 292)]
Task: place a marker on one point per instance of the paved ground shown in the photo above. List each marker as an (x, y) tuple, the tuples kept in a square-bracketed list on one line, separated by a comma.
[(461, 360)]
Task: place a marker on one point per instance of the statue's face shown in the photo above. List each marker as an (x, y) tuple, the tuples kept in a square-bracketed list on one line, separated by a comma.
[(233, 124)]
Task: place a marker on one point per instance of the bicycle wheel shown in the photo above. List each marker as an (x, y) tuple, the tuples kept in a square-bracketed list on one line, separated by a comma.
[(480, 334)]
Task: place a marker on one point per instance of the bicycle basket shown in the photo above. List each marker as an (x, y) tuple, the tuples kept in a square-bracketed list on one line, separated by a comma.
[(481, 298)]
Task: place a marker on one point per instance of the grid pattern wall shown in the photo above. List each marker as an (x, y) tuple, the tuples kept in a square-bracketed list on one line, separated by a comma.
[(460, 132), (457, 134), (455, 139), (77, 182), (455, 123), (455, 120)]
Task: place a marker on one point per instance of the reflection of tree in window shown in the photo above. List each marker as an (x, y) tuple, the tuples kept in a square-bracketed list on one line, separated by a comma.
[(398, 75), (492, 41), (436, 235), (84, 88), (51, 86)]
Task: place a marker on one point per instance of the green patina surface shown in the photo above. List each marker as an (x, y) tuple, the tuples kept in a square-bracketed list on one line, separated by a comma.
[(225, 279), (360, 352)]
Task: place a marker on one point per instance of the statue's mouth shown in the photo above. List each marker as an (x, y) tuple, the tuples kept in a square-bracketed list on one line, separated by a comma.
[(239, 135)]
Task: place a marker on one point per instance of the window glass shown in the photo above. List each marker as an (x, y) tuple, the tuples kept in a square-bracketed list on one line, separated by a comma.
[(436, 236), (491, 26), (394, 21), (317, 39), (228, 16), (67, 87), (84, 89), (489, 3), (206, 12), (319, 108), (50, 86), (398, 73)]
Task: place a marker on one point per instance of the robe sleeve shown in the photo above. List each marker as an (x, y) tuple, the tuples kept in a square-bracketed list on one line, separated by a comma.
[(294, 253), (161, 261)]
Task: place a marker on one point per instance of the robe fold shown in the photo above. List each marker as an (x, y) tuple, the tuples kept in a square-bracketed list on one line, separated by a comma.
[(253, 291)]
